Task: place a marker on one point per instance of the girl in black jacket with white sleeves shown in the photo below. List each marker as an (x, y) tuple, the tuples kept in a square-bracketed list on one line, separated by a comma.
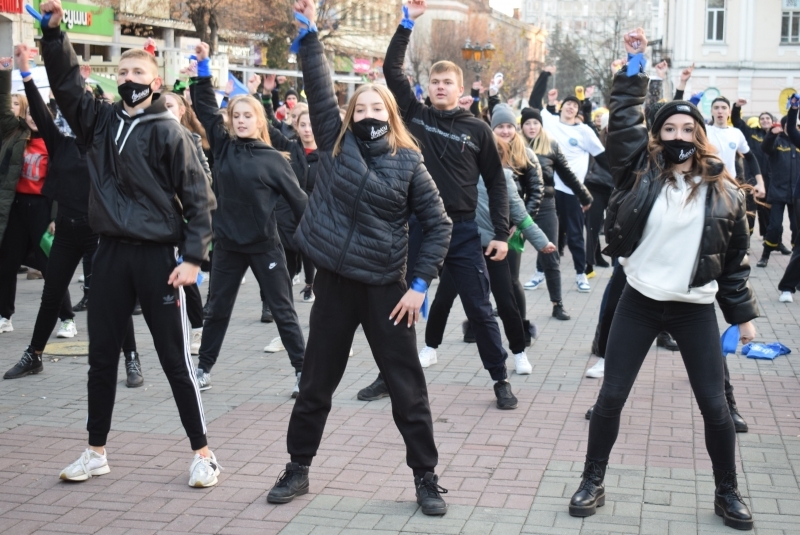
[(677, 222), (249, 177), (370, 180)]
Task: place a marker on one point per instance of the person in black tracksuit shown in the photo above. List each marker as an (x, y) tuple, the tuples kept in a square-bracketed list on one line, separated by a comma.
[(371, 177), (784, 166), (148, 196), (249, 177), (68, 181), (458, 148), (791, 277), (754, 137)]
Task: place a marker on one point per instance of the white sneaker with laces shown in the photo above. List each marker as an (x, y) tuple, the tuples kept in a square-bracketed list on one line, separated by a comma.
[(535, 282), (521, 364), (203, 471), (89, 464), (5, 325), (67, 330), (598, 370), (786, 297), (583, 283), (427, 357), (275, 346), (197, 340)]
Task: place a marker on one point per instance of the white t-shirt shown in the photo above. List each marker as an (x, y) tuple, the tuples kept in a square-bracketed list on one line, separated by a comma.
[(577, 142), (661, 267), (728, 141)]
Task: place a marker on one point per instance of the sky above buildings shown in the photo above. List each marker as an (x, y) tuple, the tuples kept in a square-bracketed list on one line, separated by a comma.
[(506, 6)]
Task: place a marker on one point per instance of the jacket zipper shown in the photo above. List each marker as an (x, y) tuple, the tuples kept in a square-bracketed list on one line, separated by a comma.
[(637, 211), (355, 220)]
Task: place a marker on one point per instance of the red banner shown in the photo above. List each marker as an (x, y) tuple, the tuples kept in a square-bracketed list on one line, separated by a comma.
[(11, 6)]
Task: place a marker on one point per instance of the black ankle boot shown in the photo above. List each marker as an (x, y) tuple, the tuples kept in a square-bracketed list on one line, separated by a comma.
[(738, 422), (559, 313), (591, 494), (666, 341), (429, 494), (728, 503), (291, 483)]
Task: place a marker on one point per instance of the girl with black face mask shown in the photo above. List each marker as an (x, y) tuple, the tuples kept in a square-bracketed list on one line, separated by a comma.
[(677, 221), (370, 179)]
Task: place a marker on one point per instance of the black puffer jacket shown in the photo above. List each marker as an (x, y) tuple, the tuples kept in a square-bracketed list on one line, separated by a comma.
[(784, 166), (556, 162), (723, 247), (286, 220), (529, 184), (356, 223)]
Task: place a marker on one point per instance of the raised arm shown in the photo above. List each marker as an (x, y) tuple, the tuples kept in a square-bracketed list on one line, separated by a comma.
[(396, 80), (8, 121), (81, 110), (791, 126), (627, 134), (204, 102), (540, 89), (40, 113)]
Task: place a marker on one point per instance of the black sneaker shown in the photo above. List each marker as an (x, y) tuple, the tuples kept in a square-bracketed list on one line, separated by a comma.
[(665, 340), (728, 503), (588, 414), (599, 261), (531, 332), (83, 304), (137, 310), (308, 294), (429, 495), (291, 483), (784, 250), (469, 334), (763, 262), (29, 364), (266, 315), (559, 313), (206, 311), (134, 370), (505, 398), (375, 391)]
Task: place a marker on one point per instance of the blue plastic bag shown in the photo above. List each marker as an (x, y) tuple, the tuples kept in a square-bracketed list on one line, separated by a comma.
[(765, 351)]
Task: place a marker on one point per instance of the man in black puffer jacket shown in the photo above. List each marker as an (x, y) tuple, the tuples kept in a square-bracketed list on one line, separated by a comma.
[(458, 148)]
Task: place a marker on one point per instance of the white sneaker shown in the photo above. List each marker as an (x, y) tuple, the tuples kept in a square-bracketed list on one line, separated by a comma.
[(351, 352), (81, 279), (67, 330), (296, 280), (296, 389), (598, 370), (521, 364), (197, 340), (243, 280), (583, 283), (535, 282), (5, 325), (89, 464), (786, 297), (427, 357), (275, 346), (203, 471)]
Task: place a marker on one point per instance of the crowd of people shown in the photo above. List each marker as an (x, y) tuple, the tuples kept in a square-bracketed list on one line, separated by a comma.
[(371, 202)]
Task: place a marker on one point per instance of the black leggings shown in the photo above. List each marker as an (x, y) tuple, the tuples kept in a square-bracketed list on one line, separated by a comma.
[(549, 264), (637, 322)]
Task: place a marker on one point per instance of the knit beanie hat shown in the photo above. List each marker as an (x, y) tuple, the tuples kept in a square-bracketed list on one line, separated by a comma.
[(291, 92), (502, 113), (571, 98), (675, 107), (530, 113)]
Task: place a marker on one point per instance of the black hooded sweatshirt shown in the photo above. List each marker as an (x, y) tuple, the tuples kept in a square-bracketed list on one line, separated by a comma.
[(457, 147)]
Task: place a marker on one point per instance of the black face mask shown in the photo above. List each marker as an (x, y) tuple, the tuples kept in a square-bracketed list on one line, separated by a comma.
[(678, 151), (370, 129), (133, 93)]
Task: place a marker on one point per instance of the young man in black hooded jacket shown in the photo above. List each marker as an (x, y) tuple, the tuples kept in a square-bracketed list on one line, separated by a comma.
[(145, 182), (458, 148)]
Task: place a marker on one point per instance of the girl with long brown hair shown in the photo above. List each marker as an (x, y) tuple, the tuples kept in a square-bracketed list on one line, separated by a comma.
[(677, 221), (370, 180)]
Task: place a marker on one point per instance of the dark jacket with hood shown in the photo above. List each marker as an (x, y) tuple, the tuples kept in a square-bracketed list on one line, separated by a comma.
[(146, 179), (638, 182), (67, 166), (794, 136), (784, 167), (356, 224), (754, 137), (284, 215), (249, 178), (14, 136), (458, 148)]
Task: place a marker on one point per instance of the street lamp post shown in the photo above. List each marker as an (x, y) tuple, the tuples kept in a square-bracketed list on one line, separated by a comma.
[(473, 54)]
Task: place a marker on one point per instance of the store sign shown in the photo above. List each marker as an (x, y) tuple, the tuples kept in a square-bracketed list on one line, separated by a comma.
[(361, 65), (234, 52), (85, 19)]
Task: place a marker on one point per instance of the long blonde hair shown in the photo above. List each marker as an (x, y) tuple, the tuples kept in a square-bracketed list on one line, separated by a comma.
[(513, 153), (543, 144), (399, 137), (258, 109)]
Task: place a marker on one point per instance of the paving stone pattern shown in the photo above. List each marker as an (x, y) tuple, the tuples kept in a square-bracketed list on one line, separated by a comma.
[(508, 472)]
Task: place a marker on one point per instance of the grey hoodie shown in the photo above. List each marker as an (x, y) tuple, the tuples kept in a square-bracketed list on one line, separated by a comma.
[(517, 211)]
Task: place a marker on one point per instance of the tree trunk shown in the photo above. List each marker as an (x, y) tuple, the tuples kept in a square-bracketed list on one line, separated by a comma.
[(213, 25), (198, 16)]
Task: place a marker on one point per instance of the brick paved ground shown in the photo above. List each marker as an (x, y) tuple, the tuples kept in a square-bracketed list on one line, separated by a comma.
[(508, 472)]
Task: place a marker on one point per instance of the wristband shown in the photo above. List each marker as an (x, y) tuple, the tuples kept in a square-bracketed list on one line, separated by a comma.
[(636, 63), (24, 74), (419, 285), (203, 68), (406, 23), (304, 30)]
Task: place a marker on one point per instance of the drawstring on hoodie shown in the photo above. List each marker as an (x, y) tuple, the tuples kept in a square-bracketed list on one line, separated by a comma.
[(447, 139)]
